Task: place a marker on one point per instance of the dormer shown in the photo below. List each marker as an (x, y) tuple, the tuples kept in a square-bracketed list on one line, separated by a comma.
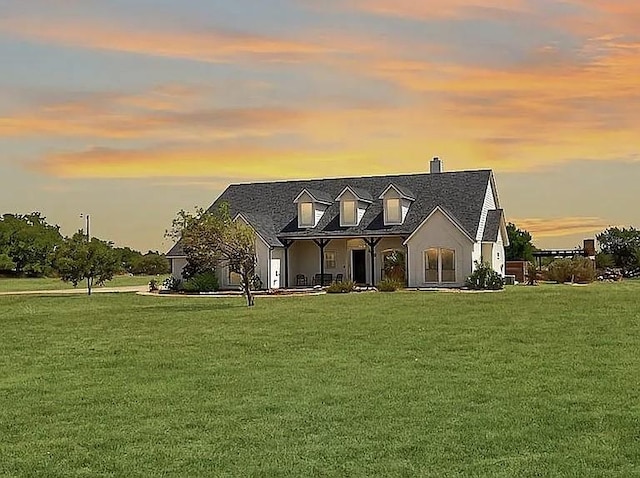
[(312, 205), (396, 202), (353, 204)]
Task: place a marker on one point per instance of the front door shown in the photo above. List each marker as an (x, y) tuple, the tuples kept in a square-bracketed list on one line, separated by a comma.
[(358, 266), (274, 282)]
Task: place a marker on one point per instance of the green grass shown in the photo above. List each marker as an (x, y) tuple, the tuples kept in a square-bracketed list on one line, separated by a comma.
[(47, 283), (540, 381)]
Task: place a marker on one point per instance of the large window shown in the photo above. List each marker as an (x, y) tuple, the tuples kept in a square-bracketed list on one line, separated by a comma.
[(329, 259), (306, 212), (349, 211), (393, 211), (439, 265)]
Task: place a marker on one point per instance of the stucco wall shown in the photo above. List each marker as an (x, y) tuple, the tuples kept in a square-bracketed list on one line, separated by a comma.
[(438, 231), (177, 264)]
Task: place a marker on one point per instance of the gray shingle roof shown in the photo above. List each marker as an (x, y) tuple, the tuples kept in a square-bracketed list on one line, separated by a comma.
[(492, 226), (318, 195), (176, 250), (405, 192), (271, 210), (361, 194)]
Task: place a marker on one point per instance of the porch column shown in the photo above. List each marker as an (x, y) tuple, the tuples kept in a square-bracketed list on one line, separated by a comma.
[(405, 250), (372, 243), (321, 243), (286, 243)]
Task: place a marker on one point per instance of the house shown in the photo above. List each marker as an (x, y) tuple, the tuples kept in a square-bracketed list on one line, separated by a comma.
[(316, 231)]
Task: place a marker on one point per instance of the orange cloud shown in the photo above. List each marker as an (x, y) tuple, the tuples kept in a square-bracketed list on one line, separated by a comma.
[(561, 226), (205, 46), (214, 162), (417, 9)]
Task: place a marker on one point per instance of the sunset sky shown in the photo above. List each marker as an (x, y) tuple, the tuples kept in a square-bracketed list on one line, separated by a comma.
[(130, 110)]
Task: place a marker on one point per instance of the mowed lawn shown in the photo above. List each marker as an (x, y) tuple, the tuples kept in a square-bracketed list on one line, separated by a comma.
[(50, 283), (540, 381)]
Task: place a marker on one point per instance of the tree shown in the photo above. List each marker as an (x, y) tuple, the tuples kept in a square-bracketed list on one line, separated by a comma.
[(622, 244), (520, 247), (29, 242), (6, 264), (78, 259), (152, 263), (212, 239)]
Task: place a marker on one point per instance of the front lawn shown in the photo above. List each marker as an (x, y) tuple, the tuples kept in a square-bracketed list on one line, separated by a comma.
[(539, 381)]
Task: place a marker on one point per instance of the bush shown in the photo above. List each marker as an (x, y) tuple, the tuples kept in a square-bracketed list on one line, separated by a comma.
[(578, 269), (202, 282), (172, 284), (341, 287), (153, 285), (604, 260), (484, 278), (389, 285)]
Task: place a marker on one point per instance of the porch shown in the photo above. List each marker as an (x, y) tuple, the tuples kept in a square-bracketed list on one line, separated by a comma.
[(311, 262)]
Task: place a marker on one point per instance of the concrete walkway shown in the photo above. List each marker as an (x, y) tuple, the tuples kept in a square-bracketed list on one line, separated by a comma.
[(80, 290)]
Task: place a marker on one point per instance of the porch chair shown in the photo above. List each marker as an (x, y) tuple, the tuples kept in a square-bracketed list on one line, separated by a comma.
[(301, 279)]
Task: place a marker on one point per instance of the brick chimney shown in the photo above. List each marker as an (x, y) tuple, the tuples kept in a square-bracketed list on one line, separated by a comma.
[(435, 166)]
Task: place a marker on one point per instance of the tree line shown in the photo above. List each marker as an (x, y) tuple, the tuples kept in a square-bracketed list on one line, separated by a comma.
[(31, 247)]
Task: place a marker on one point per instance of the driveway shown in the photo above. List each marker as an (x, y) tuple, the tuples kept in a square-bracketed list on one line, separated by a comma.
[(80, 290)]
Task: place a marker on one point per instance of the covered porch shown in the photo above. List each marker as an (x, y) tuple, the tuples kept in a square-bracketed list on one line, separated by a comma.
[(322, 261)]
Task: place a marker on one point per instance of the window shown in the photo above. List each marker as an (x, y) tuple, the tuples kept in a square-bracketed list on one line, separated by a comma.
[(439, 265), (306, 214), (235, 278), (329, 260), (393, 211), (448, 265), (431, 265), (348, 216)]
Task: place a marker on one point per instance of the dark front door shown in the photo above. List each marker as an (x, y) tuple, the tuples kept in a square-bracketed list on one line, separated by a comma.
[(358, 258)]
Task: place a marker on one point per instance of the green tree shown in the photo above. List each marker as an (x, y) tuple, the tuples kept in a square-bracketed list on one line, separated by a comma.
[(78, 259), (520, 247), (29, 242), (622, 244), (127, 258), (6, 264), (152, 263), (213, 239)]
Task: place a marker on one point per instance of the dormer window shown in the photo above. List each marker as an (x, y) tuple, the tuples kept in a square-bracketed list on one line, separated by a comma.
[(396, 202), (353, 204), (348, 213), (392, 211), (312, 205), (306, 214)]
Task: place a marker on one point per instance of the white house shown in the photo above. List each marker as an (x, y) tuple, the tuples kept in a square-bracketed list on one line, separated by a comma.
[(324, 230)]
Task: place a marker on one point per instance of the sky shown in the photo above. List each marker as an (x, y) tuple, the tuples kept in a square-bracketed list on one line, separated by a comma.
[(130, 110)]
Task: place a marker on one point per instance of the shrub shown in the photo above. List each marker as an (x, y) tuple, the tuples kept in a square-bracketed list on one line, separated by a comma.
[(578, 269), (389, 285), (202, 282), (561, 270), (341, 287), (173, 284), (153, 285), (484, 278), (604, 260)]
